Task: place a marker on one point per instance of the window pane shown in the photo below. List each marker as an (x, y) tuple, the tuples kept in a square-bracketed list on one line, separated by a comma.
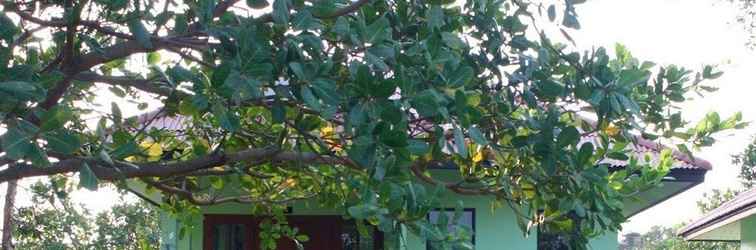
[(466, 221), (230, 237), (351, 239)]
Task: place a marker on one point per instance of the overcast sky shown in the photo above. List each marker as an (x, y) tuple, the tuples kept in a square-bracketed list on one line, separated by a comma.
[(690, 33)]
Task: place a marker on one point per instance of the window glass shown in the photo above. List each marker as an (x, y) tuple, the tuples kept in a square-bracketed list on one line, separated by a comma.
[(351, 239), (230, 237), (466, 221)]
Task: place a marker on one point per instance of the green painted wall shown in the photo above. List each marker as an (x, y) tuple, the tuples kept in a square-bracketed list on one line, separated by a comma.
[(748, 233), (605, 241), (494, 229)]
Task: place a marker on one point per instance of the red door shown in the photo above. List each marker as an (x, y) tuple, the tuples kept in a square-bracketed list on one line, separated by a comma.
[(324, 232), (241, 232)]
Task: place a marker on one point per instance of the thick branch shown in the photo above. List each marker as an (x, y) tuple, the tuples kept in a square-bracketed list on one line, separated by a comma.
[(191, 197), (124, 170), (454, 187), (59, 24), (354, 6), (146, 85), (127, 48)]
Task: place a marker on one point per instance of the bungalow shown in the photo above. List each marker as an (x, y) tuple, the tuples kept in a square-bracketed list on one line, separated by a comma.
[(734, 220), (231, 225)]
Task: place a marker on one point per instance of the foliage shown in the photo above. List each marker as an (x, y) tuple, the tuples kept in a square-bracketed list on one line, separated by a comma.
[(747, 18), (347, 103), (716, 198), (53, 221), (659, 238), (747, 162)]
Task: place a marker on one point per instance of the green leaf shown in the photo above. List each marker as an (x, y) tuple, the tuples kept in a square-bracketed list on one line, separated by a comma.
[(153, 58), (435, 17), (55, 118), (181, 25), (570, 20), (227, 119), (453, 41), (116, 113), (394, 138), (549, 88), (22, 90), (477, 136), (461, 76), (552, 12), (459, 141), (242, 88), (309, 98), (216, 182), (278, 112), (8, 29), (631, 78), (63, 142), (341, 27), (105, 157), (17, 143), (585, 153), (568, 136), (418, 147), (87, 178), (378, 31), (298, 70), (38, 156), (281, 11), (257, 4), (140, 32)]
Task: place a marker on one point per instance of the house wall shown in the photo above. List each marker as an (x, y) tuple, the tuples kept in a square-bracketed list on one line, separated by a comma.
[(608, 240), (748, 233), (495, 230)]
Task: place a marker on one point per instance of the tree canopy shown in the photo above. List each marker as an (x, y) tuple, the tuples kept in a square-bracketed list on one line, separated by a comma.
[(348, 103)]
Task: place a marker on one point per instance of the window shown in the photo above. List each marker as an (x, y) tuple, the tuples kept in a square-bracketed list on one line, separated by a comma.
[(230, 237), (466, 221)]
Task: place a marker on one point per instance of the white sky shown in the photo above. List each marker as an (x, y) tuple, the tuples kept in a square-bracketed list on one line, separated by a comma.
[(690, 33)]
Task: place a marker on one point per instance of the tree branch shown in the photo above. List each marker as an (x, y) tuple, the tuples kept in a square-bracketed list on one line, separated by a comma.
[(146, 85), (354, 6), (59, 24), (124, 170)]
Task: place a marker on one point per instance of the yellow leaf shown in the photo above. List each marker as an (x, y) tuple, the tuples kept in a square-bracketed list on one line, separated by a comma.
[(611, 130), (326, 131), (153, 149), (478, 156)]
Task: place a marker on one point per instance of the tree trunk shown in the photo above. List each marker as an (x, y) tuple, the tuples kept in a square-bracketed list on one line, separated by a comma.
[(10, 198)]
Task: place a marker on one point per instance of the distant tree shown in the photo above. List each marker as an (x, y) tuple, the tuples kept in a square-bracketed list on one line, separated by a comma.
[(661, 237), (715, 198), (55, 222), (747, 162), (666, 238), (747, 18)]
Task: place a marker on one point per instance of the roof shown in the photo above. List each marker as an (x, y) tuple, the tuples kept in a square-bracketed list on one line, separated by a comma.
[(640, 148), (159, 120), (643, 147), (742, 205)]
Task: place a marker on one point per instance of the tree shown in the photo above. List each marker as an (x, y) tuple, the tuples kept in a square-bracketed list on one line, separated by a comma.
[(747, 162), (348, 103), (662, 237), (747, 17), (53, 221)]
